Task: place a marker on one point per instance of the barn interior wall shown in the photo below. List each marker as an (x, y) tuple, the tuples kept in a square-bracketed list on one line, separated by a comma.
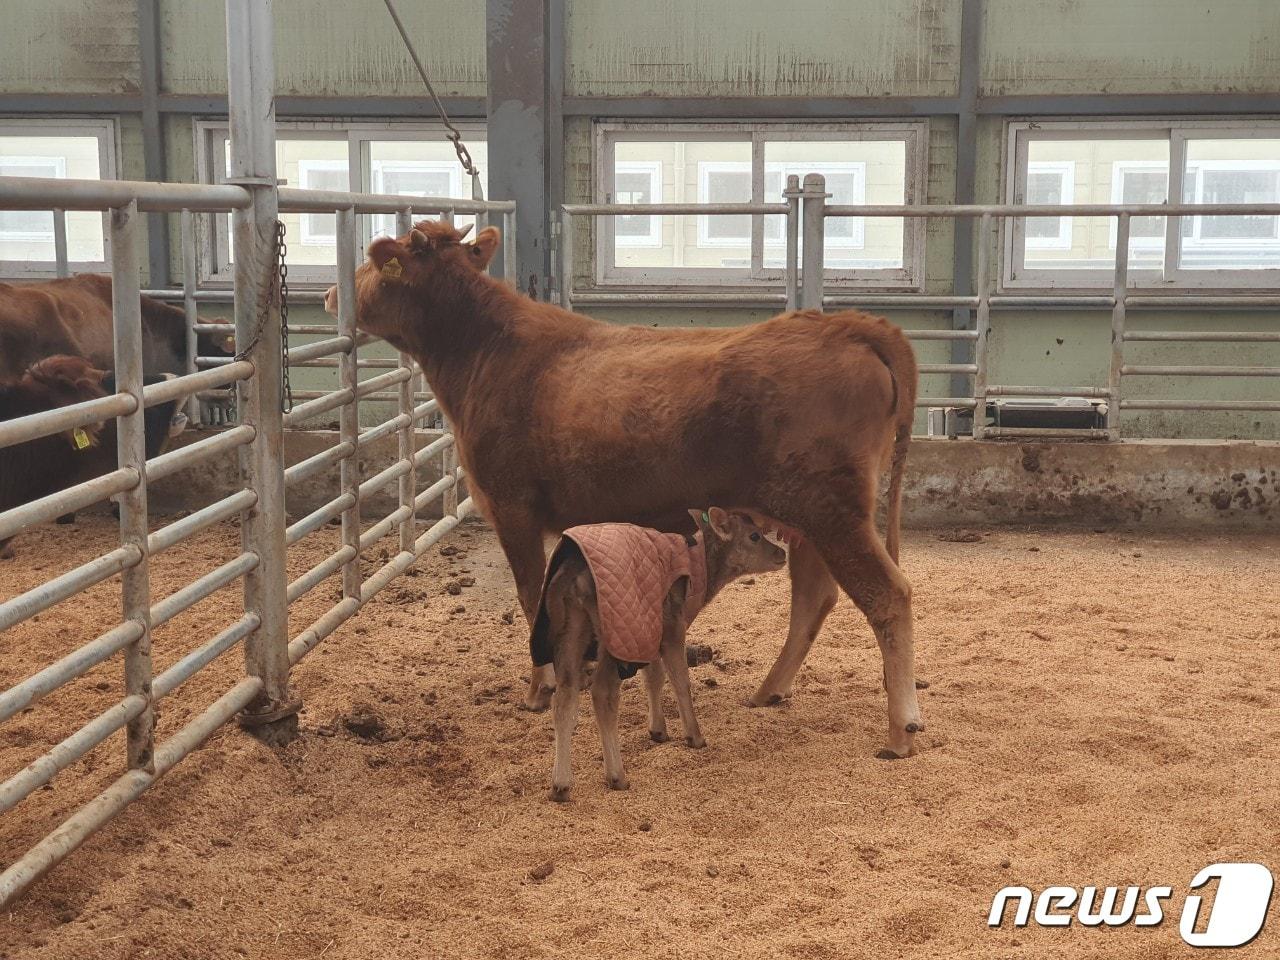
[(1037, 52)]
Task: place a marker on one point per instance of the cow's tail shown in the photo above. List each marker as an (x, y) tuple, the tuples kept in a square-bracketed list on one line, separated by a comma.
[(894, 350)]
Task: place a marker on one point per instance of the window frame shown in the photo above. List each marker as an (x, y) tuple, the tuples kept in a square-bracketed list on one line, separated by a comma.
[(216, 270), (1118, 169), (1171, 276), (910, 277), (106, 130)]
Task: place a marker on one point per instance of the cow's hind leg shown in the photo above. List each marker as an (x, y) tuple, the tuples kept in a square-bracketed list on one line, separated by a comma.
[(861, 565), (813, 594), (605, 684), (521, 540), (654, 679)]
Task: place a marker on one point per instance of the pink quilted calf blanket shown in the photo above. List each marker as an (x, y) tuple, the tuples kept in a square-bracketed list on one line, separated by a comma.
[(634, 569)]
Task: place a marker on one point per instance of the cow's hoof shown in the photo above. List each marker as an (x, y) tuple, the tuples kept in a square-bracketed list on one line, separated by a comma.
[(922, 684), (659, 736), (768, 699), (559, 794), (695, 743), (915, 727), (537, 701), (886, 754), (618, 783)]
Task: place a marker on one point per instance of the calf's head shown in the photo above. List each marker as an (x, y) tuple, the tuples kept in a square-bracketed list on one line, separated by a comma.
[(735, 546), (404, 277)]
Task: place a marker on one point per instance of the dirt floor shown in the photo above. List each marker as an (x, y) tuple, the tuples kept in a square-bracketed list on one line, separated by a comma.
[(1102, 709)]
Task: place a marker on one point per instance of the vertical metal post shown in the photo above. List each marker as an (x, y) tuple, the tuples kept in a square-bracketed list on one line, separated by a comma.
[(63, 267), (509, 248), (188, 239), (982, 326), (477, 193), (349, 421), (815, 201), (1121, 292), (252, 118), (405, 443), (566, 260), (449, 468), (131, 449), (792, 196)]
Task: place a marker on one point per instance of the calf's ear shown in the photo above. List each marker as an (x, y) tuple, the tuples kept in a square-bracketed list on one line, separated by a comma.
[(485, 246), (718, 520)]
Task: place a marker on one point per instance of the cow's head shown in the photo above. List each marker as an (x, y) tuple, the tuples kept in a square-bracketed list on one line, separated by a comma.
[(402, 275), (62, 380)]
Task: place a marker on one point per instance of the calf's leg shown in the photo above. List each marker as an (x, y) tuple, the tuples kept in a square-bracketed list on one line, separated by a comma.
[(521, 540), (860, 564), (673, 655), (570, 635), (654, 678), (605, 684), (813, 594)]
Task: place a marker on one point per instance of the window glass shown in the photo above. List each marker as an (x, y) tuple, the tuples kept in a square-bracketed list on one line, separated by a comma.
[(27, 235), (1231, 171), (1102, 170)]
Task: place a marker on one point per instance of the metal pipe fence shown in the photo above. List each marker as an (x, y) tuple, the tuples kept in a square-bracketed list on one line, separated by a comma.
[(260, 624), (807, 286)]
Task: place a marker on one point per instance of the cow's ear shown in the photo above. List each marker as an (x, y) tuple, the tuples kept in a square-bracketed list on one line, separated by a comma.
[(485, 246), (386, 254)]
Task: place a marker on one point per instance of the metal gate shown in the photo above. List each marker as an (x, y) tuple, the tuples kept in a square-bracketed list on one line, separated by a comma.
[(254, 201)]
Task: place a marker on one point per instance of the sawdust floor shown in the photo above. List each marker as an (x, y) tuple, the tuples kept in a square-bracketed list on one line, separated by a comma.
[(1103, 709)]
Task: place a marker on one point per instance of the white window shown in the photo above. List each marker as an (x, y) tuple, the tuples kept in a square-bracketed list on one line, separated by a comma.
[(731, 163), (637, 182), (321, 229), (409, 159), (1144, 162), (58, 149), (1049, 184)]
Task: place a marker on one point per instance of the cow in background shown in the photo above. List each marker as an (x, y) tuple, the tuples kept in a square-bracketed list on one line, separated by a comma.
[(37, 468), (72, 316)]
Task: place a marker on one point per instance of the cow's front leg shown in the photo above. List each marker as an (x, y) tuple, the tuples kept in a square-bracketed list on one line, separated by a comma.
[(521, 540), (813, 594)]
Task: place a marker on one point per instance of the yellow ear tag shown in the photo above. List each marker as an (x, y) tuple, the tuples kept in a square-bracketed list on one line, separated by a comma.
[(81, 439), (392, 269)]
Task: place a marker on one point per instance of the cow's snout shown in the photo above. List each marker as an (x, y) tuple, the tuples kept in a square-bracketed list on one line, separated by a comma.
[(331, 301)]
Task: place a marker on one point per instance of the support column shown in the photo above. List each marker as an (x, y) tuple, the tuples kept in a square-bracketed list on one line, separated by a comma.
[(966, 182), (519, 128), (251, 83), (153, 136)]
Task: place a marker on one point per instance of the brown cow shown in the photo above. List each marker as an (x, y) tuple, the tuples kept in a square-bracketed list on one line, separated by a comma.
[(39, 467), (73, 316), (45, 465), (564, 420)]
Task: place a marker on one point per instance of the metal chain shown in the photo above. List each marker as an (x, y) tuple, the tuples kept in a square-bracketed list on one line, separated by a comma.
[(286, 395), (277, 272), (454, 136)]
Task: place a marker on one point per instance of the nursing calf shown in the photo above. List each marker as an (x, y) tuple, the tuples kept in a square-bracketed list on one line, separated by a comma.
[(629, 593), (563, 420)]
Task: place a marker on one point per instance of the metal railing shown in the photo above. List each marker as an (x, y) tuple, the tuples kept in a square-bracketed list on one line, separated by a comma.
[(807, 203), (261, 624)]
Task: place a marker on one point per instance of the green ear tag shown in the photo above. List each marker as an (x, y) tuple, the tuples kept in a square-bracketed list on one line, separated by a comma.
[(81, 439), (706, 517)]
